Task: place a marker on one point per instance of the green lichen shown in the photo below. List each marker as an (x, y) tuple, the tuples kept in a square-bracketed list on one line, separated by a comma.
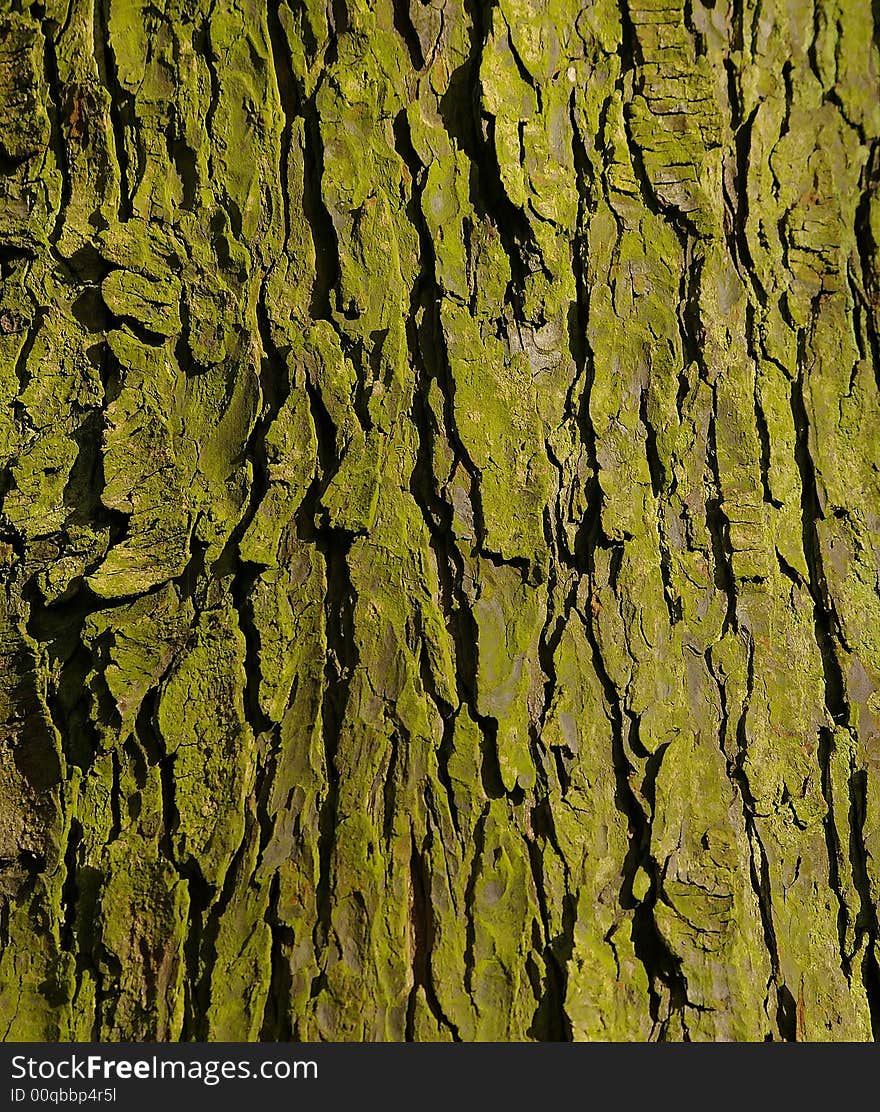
[(439, 520)]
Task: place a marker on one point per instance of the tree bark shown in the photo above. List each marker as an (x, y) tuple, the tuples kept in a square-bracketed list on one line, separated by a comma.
[(441, 498)]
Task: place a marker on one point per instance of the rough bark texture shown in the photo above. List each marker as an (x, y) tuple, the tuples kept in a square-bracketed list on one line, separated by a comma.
[(440, 519)]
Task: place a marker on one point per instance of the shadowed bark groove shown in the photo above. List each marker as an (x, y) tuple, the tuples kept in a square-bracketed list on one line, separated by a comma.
[(439, 520)]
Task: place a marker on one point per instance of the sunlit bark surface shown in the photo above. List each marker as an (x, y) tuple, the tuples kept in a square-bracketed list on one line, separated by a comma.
[(440, 513)]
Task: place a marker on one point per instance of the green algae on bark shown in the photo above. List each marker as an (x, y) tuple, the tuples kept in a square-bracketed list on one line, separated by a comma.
[(440, 518)]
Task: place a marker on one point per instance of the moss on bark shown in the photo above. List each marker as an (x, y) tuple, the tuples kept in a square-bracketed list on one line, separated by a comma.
[(440, 517)]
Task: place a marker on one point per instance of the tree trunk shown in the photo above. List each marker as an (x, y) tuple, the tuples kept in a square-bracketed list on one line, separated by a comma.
[(441, 500)]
